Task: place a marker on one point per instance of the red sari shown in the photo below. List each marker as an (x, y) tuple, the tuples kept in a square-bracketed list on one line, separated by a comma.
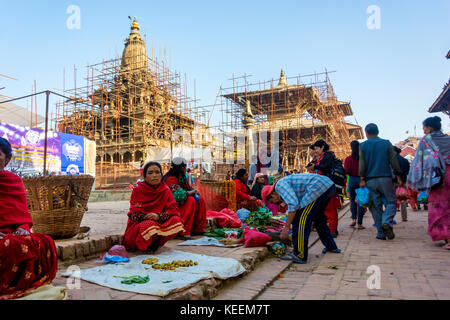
[(149, 234), (193, 213), (26, 262)]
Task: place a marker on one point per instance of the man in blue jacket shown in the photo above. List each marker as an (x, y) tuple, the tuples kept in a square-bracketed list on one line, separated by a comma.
[(377, 159)]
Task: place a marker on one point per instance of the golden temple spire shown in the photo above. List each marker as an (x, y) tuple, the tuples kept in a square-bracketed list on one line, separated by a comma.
[(282, 79), (134, 56), (135, 25)]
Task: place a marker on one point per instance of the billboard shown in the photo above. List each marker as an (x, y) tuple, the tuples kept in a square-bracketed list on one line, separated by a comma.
[(72, 154), (28, 149), (66, 153)]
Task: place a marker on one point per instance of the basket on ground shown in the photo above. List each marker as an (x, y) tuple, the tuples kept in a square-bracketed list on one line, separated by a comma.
[(57, 203)]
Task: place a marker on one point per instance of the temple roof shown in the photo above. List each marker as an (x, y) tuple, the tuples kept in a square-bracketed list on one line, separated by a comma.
[(134, 56)]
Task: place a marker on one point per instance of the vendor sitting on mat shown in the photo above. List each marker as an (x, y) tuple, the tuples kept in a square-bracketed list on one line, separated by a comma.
[(27, 260), (193, 209), (243, 197), (154, 218), (307, 196)]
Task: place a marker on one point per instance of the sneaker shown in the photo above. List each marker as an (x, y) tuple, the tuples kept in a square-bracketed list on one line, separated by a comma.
[(325, 250), (361, 227), (381, 238), (334, 234), (389, 232)]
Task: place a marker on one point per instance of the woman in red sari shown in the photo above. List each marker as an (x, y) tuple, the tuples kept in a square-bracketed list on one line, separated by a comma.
[(27, 260), (153, 218), (243, 197), (193, 210)]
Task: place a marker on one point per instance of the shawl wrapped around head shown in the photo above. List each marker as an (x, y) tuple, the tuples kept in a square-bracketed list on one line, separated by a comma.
[(426, 160), (146, 199), (13, 203)]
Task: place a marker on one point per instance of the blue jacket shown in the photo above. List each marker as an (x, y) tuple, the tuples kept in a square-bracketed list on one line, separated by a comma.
[(376, 158)]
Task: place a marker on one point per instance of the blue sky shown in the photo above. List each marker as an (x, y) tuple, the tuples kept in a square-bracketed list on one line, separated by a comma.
[(391, 75)]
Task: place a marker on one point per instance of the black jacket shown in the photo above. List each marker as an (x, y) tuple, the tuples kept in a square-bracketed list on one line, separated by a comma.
[(256, 190), (326, 164), (404, 167)]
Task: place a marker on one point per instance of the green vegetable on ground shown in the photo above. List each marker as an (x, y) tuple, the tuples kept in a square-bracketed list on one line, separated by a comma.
[(133, 279)]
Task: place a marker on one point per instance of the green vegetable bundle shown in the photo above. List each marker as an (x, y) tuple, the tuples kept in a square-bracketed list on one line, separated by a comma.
[(259, 218), (221, 233), (134, 279)]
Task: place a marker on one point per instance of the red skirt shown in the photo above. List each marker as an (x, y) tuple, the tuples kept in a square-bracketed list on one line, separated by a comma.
[(151, 235), (193, 215), (26, 263)]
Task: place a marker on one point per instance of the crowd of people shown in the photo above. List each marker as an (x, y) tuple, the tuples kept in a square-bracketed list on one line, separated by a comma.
[(165, 206)]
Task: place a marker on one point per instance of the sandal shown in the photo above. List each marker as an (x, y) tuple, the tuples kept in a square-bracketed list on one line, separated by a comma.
[(325, 250), (353, 223), (291, 257)]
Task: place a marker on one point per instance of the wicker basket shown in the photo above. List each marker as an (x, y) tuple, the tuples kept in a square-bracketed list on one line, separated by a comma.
[(57, 203)]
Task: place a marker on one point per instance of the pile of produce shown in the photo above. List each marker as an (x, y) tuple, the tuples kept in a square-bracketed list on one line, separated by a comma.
[(259, 218), (174, 265), (150, 261), (278, 249), (224, 232)]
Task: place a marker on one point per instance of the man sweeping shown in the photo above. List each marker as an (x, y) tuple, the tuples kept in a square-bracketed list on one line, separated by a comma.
[(306, 195)]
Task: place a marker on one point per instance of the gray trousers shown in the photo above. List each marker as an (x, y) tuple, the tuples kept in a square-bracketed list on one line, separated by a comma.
[(382, 193)]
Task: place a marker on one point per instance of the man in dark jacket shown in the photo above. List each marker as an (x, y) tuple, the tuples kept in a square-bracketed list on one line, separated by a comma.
[(403, 164), (377, 159)]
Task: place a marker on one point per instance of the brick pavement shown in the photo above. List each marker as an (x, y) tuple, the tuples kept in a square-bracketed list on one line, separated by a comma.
[(412, 266)]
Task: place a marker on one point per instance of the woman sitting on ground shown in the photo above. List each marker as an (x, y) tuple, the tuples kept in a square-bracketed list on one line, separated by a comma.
[(27, 260), (243, 197), (153, 218), (258, 185), (193, 209)]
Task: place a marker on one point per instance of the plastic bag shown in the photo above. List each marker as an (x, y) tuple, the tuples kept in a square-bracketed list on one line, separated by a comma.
[(401, 194), (278, 249), (107, 258), (118, 250), (116, 254), (254, 238), (243, 214), (423, 197), (363, 197)]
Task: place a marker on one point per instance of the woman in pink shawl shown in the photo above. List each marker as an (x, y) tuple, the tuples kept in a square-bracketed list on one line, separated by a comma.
[(430, 165)]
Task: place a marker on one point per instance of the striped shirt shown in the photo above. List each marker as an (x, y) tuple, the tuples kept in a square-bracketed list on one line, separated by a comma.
[(299, 190)]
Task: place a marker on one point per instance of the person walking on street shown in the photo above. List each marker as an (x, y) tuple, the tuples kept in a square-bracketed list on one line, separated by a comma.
[(404, 168), (377, 159), (324, 166), (430, 170), (351, 167), (306, 196)]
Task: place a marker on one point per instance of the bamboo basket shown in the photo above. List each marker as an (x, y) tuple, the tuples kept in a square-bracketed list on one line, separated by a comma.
[(57, 203)]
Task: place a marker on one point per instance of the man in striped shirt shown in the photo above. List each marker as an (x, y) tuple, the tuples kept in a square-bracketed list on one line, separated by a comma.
[(306, 195)]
